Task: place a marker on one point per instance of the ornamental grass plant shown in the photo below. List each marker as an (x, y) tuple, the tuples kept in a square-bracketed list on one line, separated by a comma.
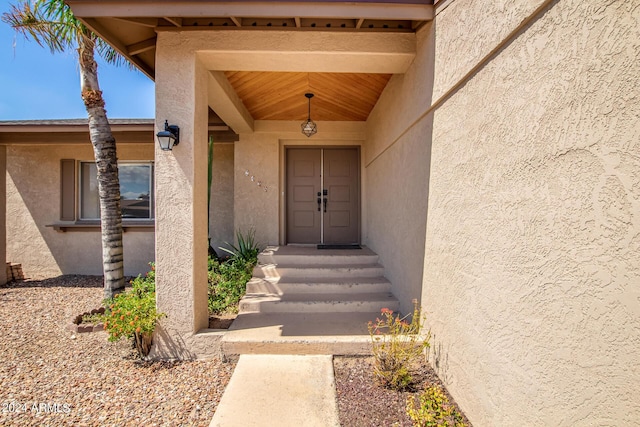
[(397, 345)]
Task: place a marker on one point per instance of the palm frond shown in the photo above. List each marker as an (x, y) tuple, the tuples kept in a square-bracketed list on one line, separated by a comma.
[(52, 24), (111, 56), (31, 21)]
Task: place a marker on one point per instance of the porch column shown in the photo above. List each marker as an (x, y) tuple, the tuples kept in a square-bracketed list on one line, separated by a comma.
[(3, 214), (181, 199)]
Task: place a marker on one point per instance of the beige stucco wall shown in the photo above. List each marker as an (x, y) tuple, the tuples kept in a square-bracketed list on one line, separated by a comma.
[(222, 183), (33, 202), (397, 161), (3, 213), (255, 208), (532, 260)]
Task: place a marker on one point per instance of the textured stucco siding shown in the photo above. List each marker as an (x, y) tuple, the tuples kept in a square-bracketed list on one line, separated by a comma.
[(221, 220), (255, 208), (397, 161), (33, 202), (532, 263), (468, 32)]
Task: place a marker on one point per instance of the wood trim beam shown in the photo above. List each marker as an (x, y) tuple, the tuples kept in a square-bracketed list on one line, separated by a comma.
[(298, 24), (106, 35), (359, 24), (237, 21), (224, 100), (304, 9), (175, 21), (145, 22), (143, 46)]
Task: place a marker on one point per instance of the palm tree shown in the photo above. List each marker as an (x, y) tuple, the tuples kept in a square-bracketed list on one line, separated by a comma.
[(52, 24)]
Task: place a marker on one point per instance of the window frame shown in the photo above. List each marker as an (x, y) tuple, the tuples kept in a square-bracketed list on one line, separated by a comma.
[(121, 163)]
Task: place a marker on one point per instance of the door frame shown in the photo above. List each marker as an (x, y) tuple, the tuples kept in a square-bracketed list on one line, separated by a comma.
[(284, 146)]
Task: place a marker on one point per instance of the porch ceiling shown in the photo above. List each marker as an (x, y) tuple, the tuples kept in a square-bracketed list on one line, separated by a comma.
[(131, 27), (280, 96)]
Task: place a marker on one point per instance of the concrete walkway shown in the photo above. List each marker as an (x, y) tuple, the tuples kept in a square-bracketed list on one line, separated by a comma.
[(281, 390)]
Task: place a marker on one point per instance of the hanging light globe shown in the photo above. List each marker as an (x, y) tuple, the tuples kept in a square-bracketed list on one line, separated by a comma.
[(309, 127)]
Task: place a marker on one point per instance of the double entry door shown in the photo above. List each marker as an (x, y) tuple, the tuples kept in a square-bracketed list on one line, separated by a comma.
[(323, 195)]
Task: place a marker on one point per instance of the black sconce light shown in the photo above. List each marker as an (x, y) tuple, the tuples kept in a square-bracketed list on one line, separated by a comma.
[(309, 127), (169, 137)]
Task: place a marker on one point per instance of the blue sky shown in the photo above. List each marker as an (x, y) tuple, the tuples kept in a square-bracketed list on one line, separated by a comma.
[(37, 84)]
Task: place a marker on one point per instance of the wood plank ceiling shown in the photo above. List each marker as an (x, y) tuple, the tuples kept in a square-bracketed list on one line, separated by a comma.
[(280, 96)]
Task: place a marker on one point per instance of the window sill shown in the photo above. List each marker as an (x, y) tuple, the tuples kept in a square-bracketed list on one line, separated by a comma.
[(138, 225)]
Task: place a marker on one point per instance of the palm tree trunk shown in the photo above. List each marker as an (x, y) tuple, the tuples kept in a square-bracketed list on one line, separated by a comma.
[(104, 149)]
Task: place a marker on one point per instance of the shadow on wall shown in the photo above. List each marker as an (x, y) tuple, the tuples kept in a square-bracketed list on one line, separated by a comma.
[(398, 172), (439, 360)]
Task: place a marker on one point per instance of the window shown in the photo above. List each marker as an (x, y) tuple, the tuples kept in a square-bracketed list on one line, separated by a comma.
[(136, 190)]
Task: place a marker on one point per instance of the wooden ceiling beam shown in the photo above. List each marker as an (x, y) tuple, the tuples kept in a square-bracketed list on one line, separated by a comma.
[(104, 34), (175, 21), (145, 22), (143, 46)]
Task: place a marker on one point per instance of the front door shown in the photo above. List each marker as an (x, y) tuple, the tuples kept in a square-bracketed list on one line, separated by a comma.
[(323, 195)]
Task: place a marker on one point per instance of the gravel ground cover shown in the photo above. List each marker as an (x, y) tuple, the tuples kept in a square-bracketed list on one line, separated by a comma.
[(362, 403), (50, 376)]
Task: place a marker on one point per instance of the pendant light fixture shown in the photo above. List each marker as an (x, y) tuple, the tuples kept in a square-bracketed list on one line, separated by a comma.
[(309, 127)]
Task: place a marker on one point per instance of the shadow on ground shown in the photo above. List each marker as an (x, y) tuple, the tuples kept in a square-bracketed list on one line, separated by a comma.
[(63, 281)]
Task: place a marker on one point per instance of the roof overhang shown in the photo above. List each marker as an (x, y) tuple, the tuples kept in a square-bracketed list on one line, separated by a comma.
[(357, 37), (131, 26)]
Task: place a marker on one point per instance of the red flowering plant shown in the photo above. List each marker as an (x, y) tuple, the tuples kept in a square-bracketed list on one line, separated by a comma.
[(397, 345), (132, 314)]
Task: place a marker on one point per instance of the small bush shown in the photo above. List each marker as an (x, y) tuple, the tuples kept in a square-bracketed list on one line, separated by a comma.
[(397, 344), (228, 280), (132, 314), (433, 410), (228, 284)]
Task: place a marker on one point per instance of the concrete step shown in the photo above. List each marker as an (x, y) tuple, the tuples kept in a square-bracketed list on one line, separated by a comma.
[(351, 285), (299, 333), (311, 271), (318, 303), (310, 256)]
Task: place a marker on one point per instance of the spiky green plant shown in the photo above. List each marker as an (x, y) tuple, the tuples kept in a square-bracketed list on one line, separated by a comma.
[(247, 249)]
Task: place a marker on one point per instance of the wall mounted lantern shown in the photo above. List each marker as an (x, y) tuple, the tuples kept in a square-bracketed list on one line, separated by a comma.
[(169, 137), (309, 128)]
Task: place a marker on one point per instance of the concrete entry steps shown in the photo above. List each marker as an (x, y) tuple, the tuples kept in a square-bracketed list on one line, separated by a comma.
[(302, 300)]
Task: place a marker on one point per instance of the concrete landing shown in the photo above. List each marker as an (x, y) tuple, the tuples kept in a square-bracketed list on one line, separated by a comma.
[(279, 390), (299, 333)]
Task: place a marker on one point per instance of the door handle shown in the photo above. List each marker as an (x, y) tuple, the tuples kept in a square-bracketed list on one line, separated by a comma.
[(325, 204), (319, 201)]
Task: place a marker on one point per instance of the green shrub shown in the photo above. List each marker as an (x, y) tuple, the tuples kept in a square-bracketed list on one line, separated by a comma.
[(433, 410), (132, 314), (228, 283), (397, 344)]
